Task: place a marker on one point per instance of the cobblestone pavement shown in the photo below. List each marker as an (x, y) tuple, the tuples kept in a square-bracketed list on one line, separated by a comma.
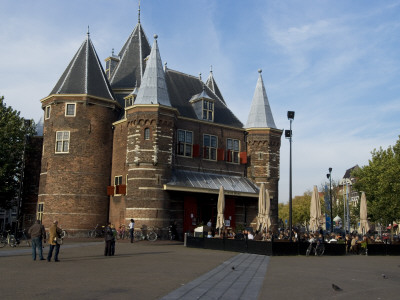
[(169, 270)]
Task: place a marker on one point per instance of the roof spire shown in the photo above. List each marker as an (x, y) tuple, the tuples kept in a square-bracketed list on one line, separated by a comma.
[(139, 13), (153, 88), (260, 115), (88, 32)]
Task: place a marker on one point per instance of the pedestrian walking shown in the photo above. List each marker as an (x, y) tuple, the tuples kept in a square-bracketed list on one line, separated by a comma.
[(38, 234), (54, 241), (131, 229), (109, 238)]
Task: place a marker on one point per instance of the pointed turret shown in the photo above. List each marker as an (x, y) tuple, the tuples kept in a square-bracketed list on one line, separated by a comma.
[(84, 74), (212, 85), (260, 115), (153, 89), (131, 64)]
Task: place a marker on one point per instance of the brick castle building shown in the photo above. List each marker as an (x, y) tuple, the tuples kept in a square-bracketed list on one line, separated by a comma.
[(140, 140)]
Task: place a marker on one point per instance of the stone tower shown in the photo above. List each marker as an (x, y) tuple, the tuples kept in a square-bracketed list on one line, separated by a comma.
[(77, 145), (263, 147)]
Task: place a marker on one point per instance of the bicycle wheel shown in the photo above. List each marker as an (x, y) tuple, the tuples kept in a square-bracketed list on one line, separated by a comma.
[(3, 241), (320, 250), (308, 250), (152, 236), (13, 242), (138, 235)]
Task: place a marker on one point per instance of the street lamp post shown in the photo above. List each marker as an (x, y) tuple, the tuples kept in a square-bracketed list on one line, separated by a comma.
[(288, 135), (329, 176)]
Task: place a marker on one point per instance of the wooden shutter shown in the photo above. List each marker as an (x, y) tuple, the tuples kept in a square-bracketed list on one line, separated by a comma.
[(220, 154), (110, 190), (196, 150), (229, 155), (243, 158)]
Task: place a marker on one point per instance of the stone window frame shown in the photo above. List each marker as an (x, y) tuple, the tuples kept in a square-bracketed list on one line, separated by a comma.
[(187, 146), (235, 152), (63, 139), (67, 112), (47, 112), (210, 151), (146, 134), (208, 110)]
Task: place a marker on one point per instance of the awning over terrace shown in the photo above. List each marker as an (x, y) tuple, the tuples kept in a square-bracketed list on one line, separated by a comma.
[(198, 182)]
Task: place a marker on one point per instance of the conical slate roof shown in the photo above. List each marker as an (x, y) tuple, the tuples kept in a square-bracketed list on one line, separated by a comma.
[(84, 75), (260, 115), (153, 89), (212, 85), (130, 68)]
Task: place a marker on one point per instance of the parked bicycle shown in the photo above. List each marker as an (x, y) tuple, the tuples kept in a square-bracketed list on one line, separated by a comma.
[(98, 231), (145, 233), (8, 239), (317, 249), (122, 233), (22, 238)]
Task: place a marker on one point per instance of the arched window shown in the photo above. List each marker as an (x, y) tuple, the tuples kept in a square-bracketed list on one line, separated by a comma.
[(146, 133)]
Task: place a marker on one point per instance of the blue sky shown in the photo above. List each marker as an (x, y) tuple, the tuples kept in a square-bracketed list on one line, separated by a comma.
[(335, 63)]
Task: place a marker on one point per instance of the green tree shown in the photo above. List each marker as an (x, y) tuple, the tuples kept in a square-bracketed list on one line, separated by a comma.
[(380, 181), (13, 133), (300, 210)]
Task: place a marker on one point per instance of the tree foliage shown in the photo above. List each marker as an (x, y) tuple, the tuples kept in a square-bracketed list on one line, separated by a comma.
[(380, 180), (300, 210), (13, 134)]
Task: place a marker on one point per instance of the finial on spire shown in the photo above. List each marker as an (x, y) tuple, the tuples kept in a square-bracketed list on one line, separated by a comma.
[(165, 66), (211, 68), (155, 36), (139, 13), (259, 71), (112, 52), (88, 32), (200, 76)]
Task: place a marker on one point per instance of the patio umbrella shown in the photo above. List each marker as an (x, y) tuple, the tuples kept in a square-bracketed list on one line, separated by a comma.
[(221, 208), (364, 227), (267, 210), (315, 210), (261, 207)]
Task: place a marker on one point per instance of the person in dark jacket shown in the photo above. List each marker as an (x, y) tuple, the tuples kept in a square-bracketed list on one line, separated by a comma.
[(38, 234), (109, 238)]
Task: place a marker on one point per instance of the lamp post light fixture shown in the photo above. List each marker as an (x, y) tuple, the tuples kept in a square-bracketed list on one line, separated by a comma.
[(288, 135), (329, 176)]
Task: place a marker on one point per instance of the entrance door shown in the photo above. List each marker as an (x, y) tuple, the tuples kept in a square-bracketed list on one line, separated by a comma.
[(230, 211), (190, 214)]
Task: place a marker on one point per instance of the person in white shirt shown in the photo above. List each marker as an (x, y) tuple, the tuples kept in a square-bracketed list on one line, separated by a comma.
[(250, 235), (131, 229)]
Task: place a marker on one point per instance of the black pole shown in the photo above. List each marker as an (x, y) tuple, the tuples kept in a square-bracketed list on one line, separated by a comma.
[(290, 115), (330, 196)]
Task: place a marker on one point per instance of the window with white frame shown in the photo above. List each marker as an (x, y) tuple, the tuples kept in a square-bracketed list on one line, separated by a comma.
[(185, 143), (210, 143), (47, 112), (39, 213), (70, 109), (232, 146), (147, 133), (62, 141), (208, 110)]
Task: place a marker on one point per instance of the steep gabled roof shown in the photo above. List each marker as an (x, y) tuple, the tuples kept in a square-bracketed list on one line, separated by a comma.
[(153, 89), (260, 115), (182, 87), (212, 85), (84, 75), (130, 68)]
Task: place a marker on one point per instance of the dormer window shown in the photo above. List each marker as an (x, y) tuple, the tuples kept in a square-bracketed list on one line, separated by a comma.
[(208, 110)]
